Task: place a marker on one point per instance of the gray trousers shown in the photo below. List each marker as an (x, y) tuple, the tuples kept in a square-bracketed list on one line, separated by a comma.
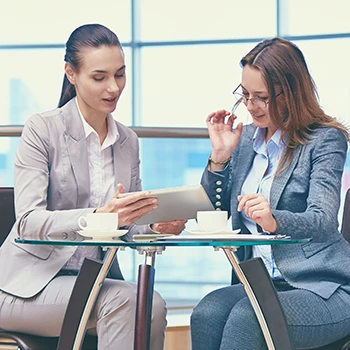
[(112, 318), (225, 320)]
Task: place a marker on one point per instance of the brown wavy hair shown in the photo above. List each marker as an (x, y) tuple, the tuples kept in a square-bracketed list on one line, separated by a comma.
[(284, 69)]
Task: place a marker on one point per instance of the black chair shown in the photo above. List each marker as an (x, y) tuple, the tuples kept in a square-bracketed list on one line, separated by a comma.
[(76, 304), (342, 344)]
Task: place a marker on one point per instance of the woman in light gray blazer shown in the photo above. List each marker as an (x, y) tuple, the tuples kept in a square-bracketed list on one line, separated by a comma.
[(282, 175), (71, 161)]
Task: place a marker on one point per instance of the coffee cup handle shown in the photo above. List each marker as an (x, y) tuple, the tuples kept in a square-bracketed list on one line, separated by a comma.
[(80, 220)]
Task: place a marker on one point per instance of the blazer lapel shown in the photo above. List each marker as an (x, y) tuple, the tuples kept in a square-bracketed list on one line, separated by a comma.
[(76, 145), (121, 161), (243, 164), (245, 159), (281, 180)]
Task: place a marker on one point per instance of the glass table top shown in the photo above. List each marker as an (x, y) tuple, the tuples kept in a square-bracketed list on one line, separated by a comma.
[(158, 240)]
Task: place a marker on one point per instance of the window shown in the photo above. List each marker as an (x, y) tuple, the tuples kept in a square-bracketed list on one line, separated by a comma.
[(206, 19), (315, 17), (181, 85), (182, 63), (325, 58), (32, 83), (51, 22)]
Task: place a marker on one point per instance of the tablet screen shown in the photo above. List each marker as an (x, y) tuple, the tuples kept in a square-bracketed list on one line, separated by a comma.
[(177, 203)]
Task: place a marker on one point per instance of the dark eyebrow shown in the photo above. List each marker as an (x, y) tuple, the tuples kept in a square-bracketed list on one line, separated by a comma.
[(103, 71), (255, 92)]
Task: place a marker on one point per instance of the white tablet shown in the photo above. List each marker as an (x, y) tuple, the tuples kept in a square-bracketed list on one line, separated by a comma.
[(176, 203)]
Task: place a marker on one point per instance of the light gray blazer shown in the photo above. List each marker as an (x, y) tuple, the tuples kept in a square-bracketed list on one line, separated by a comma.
[(52, 190), (305, 200)]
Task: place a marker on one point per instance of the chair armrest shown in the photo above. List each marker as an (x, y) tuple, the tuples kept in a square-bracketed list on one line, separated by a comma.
[(80, 294)]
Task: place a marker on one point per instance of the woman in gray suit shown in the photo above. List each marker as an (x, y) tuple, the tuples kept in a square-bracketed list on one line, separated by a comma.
[(71, 161), (282, 175)]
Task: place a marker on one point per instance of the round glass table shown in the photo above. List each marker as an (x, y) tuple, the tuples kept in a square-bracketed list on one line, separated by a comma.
[(252, 274)]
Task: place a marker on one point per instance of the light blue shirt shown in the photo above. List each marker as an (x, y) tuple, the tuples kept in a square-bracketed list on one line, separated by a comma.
[(259, 180)]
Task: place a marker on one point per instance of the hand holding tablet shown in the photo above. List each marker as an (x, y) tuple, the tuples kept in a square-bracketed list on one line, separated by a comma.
[(176, 203)]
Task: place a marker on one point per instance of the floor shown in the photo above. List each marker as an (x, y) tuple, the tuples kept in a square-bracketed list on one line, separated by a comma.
[(177, 335)]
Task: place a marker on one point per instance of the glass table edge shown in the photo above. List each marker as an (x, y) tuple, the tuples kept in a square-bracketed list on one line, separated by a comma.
[(163, 243)]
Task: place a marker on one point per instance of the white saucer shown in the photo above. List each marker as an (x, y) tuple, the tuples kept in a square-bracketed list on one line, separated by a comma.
[(98, 235), (200, 232)]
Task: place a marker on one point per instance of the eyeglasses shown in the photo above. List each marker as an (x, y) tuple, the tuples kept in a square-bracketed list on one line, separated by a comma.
[(256, 101)]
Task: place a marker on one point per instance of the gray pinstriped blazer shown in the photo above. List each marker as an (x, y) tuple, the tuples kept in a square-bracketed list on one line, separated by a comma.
[(52, 190), (305, 200)]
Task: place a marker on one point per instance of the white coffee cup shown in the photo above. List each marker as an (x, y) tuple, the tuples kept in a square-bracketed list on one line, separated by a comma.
[(99, 222), (212, 221)]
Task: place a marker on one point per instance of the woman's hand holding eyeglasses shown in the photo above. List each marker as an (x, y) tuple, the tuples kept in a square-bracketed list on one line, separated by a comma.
[(223, 138)]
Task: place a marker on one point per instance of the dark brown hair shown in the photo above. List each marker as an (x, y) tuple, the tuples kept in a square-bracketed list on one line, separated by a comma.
[(88, 35), (284, 69)]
